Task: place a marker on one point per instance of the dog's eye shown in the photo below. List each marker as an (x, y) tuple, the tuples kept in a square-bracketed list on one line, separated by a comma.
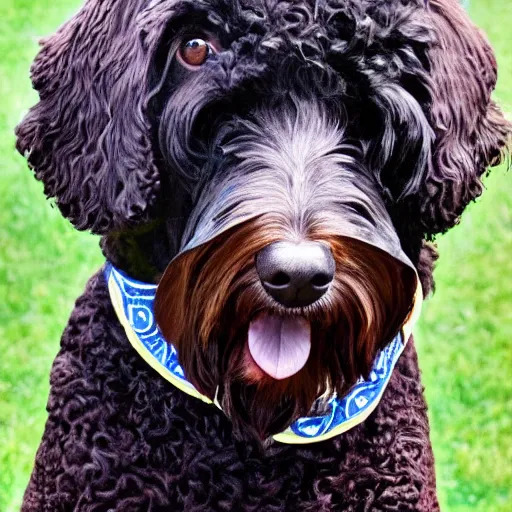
[(195, 52)]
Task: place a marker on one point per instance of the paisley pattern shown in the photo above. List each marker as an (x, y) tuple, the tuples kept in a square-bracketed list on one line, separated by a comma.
[(133, 302), (363, 398)]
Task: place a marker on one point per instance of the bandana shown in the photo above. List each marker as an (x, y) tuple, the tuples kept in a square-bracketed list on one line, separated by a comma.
[(133, 303)]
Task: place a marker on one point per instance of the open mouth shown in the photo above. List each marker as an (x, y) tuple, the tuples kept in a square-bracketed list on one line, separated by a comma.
[(279, 345)]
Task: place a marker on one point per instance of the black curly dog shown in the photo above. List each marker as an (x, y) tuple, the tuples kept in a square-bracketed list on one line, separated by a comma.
[(278, 167)]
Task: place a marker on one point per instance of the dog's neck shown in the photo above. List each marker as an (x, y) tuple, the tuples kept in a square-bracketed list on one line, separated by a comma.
[(143, 253)]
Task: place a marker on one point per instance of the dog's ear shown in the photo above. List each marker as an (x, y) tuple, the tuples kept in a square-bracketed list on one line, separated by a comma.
[(471, 133), (88, 139)]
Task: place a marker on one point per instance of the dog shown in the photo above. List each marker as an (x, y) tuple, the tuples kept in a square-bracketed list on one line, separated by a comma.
[(267, 177)]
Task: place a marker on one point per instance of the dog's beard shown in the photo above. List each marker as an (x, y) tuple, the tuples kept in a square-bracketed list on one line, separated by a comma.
[(208, 297)]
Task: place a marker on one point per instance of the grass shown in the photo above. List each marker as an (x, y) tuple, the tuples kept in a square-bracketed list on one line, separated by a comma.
[(463, 339), (44, 263)]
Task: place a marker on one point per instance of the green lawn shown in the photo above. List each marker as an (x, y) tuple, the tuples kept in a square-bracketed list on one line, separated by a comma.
[(463, 337)]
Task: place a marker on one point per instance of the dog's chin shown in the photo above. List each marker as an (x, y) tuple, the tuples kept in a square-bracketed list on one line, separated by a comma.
[(268, 406), (259, 405), (259, 400), (263, 398)]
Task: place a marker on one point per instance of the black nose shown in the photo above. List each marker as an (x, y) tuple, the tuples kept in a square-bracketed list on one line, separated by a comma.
[(296, 274)]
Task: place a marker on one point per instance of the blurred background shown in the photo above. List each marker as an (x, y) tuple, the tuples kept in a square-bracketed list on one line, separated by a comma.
[(464, 338)]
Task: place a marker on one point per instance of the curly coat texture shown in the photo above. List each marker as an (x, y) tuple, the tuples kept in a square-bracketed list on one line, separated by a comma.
[(135, 149), (120, 438)]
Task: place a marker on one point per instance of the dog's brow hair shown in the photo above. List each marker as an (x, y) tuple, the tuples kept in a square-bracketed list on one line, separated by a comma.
[(292, 147)]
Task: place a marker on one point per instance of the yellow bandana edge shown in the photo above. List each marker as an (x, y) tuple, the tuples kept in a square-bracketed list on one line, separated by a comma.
[(117, 302)]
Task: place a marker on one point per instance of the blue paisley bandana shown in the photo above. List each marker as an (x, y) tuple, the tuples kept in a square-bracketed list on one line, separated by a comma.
[(133, 303)]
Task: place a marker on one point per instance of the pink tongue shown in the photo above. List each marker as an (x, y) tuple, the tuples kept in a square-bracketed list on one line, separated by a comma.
[(280, 346)]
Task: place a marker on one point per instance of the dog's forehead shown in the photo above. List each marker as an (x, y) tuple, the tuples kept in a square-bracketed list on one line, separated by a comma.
[(261, 8), (254, 15), (329, 25), (291, 11)]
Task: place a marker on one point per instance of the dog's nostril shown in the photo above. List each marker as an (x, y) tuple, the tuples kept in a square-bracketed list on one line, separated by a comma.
[(321, 280), (279, 279)]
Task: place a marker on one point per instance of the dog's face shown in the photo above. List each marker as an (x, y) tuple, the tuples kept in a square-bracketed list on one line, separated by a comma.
[(290, 275), (301, 151)]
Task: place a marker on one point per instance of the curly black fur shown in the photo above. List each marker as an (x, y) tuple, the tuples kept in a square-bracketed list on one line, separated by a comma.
[(121, 438), (137, 149)]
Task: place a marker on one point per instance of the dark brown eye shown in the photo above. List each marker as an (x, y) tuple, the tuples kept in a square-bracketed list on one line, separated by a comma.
[(194, 52)]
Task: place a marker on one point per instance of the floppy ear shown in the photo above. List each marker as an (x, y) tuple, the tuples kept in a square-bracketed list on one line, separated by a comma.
[(88, 139), (471, 132)]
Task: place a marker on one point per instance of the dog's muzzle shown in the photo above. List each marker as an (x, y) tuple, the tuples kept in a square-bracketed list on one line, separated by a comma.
[(133, 302), (295, 275)]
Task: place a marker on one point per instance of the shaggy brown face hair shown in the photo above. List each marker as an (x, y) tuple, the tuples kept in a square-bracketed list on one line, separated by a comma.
[(208, 297)]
